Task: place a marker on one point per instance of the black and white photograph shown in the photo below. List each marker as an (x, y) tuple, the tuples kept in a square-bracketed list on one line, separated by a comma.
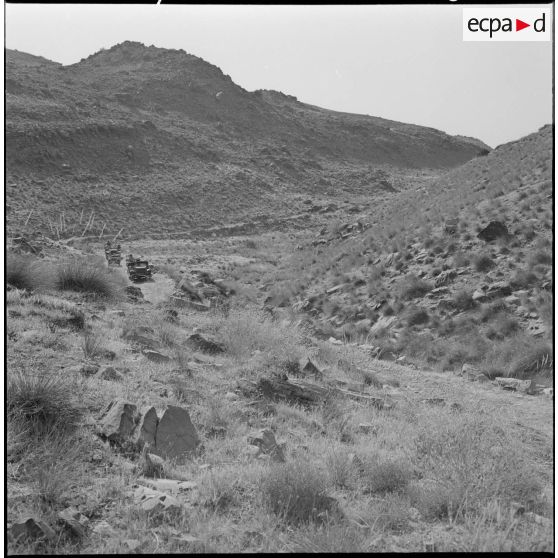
[(278, 278)]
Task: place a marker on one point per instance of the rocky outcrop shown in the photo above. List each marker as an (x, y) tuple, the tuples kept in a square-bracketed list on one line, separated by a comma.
[(493, 231)]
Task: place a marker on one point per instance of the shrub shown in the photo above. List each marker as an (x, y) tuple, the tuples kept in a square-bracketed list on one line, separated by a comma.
[(41, 404), (540, 257), (522, 279), (370, 379), (296, 493), (535, 360), (417, 316), (24, 272), (463, 300), (482, 262), (83, 276), (413, 287)]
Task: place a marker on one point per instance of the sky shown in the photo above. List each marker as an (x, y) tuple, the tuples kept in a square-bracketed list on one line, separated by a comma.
[(405, 63)]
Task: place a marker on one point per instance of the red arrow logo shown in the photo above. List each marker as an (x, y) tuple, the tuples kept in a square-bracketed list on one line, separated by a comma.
[(519, 25)]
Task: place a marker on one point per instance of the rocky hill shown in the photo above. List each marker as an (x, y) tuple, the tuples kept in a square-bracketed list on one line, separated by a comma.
[(156, 140), (455, 272)]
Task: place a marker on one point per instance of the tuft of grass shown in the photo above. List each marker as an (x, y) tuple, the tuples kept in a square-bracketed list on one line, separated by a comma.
[(382, 477), (83, 276), (25, 272), (91, 344), (296, 492), (40, 404)]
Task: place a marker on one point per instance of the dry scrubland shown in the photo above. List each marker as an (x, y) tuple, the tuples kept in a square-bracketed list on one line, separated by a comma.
[(358, 232), (419, 284), (441, 464)]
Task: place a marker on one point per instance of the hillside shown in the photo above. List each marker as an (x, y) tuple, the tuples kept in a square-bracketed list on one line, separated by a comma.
[(134, 125), (418, 283)]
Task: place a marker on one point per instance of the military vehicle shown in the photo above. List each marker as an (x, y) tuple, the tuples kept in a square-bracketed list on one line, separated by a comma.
[(113, 255), (138, 270)]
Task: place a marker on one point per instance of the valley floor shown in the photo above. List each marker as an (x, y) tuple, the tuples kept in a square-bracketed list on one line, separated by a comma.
[(387, 458)]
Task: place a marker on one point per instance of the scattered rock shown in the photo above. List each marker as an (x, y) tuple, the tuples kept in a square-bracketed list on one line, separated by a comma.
[(182, 302), (141, 336), (155, 356), (450, 226), (133, 293), (32, 529), (133, 544), (308, 367), (334, 341), (153, 501), (265, 441), (88, 369), (109, 373), (493, 231), (437, 401), (367, 428), (171, 486), (176, 436), (119, 313), (514, 384), (197, 342), (469, 372), (75, 521), (445, 277)]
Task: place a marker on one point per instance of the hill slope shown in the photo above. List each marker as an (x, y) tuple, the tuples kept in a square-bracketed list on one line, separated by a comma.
[(133, 125), (421, 283)]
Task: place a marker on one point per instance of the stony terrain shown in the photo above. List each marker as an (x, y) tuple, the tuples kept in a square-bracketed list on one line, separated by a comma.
[(347, 344)]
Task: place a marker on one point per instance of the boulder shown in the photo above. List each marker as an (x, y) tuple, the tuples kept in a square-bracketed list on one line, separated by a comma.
[(265, 441), (119, 421), (493, 231), (197, 342), (469, 372), (133, 293), (182, 302), (87, 369), (176, 436), (168, 485), (151, 500), (445, 277), (514, 384), (109, 373), (75, 521), (450, 226), (32, 529), (142, 337), (308, 367), (147, 428), (155, 356)]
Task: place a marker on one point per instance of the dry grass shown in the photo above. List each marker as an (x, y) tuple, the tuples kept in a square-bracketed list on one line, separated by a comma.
[(86, 277), (40, 403)]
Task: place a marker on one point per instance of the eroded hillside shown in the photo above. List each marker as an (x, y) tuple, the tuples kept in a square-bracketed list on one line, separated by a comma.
[(156, 140)]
